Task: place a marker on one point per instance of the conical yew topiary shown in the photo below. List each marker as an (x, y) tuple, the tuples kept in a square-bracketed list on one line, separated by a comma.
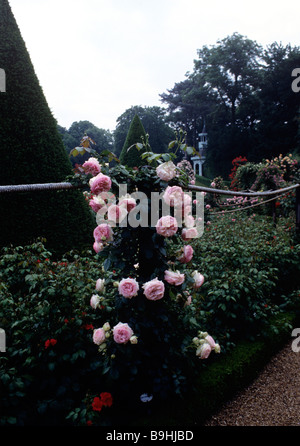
[(31, 151), (130, 156)]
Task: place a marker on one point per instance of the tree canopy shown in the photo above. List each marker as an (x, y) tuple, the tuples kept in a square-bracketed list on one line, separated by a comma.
[(243, 94), (103, 139)]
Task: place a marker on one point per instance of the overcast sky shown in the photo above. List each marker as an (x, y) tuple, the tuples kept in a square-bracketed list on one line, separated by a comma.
[(97, 58)]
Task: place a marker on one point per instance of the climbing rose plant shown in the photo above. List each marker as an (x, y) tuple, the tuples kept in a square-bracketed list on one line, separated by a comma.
[(147, 330)]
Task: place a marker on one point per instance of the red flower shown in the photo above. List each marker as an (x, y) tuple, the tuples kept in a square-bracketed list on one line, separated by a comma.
[(88, 326), (106, 399), (89, 423), (50, 342), (97, 404)]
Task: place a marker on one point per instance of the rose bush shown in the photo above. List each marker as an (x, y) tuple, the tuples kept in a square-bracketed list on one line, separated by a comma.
[(250, 267), (121, 327), (149, 292)]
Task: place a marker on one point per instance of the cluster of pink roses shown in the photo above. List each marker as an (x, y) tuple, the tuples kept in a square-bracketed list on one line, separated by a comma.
[(102, 202), (205, 344), (153, 289), (167, 226), (122, 333), (104, 205), (103, 234)]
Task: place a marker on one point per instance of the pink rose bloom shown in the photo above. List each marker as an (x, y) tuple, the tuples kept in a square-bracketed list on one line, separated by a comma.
[(174, 196), (97, 247), (211, 341), (186, 211), (94, 301), (99, 336), (188, 301), (154, 289), (204, 350), (100, 183), (187, 254), (103, 233), (198, 279), (189, 233), (189, 221), (167, 226), (128, 287), (128, 203), (174, 278), (92, 166), (116, 213), (166, 171), (122, 333), (100, 285), (187, 200), (97, 203)]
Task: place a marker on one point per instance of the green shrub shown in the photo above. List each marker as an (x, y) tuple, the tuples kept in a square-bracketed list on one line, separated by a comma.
[(248, 264), (42, 300)]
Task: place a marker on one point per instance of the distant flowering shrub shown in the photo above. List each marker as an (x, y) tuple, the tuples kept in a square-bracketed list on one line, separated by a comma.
[(185, 166), (236, 162), (266, 175)]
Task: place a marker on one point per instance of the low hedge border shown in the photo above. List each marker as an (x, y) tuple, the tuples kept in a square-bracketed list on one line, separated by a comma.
[(223, 378)]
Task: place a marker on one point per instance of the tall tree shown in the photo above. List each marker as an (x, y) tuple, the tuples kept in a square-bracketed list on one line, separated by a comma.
[(130, 155), (103, 139), (230, 69), (154, 122), (222, 89), (32, 151), (277, 130), (189, 106)]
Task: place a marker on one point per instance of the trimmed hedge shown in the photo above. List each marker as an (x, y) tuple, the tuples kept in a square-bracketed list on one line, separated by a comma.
[(32, 151), (136, 134), (222, 378)]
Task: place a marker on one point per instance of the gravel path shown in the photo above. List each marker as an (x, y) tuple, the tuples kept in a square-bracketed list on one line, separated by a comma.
[(273, 399)]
